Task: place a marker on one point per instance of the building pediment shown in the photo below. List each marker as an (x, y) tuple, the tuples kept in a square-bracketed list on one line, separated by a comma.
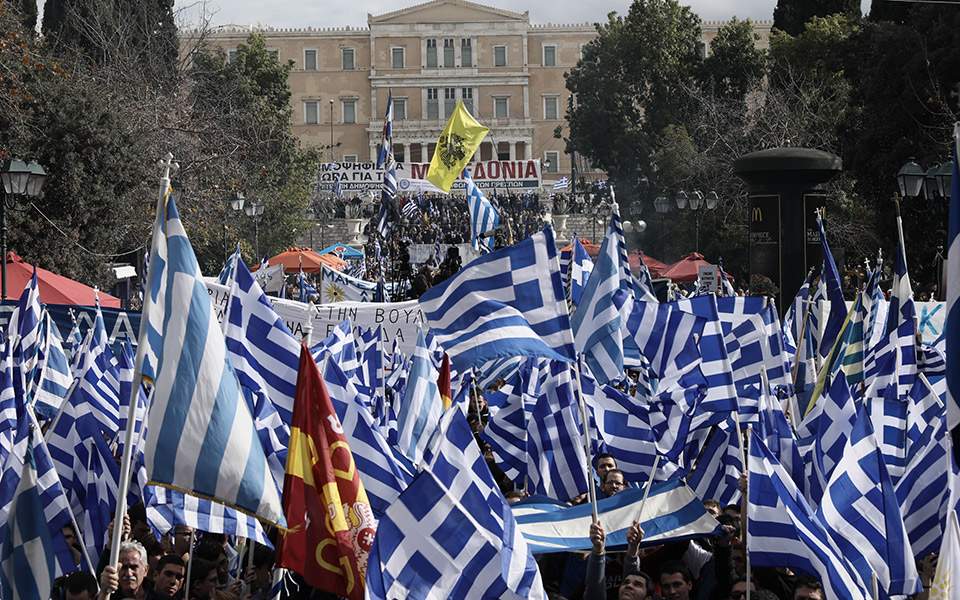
[(447, 11)]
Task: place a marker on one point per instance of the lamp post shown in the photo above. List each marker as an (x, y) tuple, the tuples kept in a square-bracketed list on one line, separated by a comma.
[(331, 130), (599, 212), (254, 210), (235, 203), (19, 179), (931, 184), (695, 202)]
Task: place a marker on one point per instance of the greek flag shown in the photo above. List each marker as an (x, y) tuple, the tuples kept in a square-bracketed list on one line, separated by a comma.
[(952, 326), (99, 380), (226, 273), (451, 534), (861, 513), (716, 474), (507, 303), (672, 513), (306, 290), (484, 218), (795, 318), (54, 376), (782, 531), (556, 461), (421, 406), (216, 452), (23, 331), (9, 400), (923, 492), (781, 441), (510, 407), (385, 148), (27, 557), (580, 268), (838, 308), (410, 209), (901, 319), (388, 189), (339, 346), (168, 508), (384, 472), (596, 324), (823, 433)]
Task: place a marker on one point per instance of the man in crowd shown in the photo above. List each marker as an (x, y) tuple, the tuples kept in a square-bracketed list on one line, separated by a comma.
[(632, 584), (125, 579), (171, 571)]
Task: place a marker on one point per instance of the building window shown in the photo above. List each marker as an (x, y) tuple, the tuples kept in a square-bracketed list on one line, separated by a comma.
[(397, 58), (431, 53), (449, 101), (499, 56), (311, 112), (349, 111), (398, 153), (551, 162), (347, 56), (399, 109), (448, 53), (551, 110), (309, 60), (433, 104), (466, 52), (231, 55), (349, 158), (550, 56), (503, 151), (466, 94), (501, 108)]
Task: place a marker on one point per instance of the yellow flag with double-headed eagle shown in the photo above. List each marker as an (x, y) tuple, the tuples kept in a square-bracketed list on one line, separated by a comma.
[(455, 147)]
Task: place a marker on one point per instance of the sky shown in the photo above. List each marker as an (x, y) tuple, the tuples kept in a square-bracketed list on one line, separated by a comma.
[(318, 13)]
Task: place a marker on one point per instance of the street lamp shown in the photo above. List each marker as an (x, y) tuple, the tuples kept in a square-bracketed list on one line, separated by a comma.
[(254, 210), (19, 179), (234, 203), (695, 201), (662, 205), (599, 212), (910, 179)]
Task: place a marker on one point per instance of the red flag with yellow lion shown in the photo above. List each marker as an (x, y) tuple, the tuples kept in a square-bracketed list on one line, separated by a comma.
[(331, 526)]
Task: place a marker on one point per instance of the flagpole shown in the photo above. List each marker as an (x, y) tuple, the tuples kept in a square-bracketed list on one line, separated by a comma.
[(186, 584), (646, 491), (591, 491), (745, 505), (124, 483)]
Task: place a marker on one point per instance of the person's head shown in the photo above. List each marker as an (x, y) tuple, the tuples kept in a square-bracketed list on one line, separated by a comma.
[(676, 583), (181, 539), (739, 589), (203, 579), (133, 567), (808, 588), (733, 510), (605, 462), (712, 507), (139, 528), (170, 573), (633, 587), (613, 482), (263, 560), (81, 585), (154, 552), (211, 549)]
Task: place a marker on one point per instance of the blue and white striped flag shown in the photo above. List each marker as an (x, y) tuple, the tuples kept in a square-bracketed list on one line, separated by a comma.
[(796, 316), (830, 277), (99, 380), (510, 407), (952, 325), (54, 377), (168, 508), (597, 321), (200, 433), (924, 491), (385, 473), (484, 217), (307, 291), (716, 475), (421, 406), (9, 399), (861, 513), (580, 268), (507, 303), (823, 434), (783, 532), (23, 331), (672, 513), (341, 347), (901, 328), (451, 534), (388, 189), (27, 556), (561, 184), (556, 461), (229, 267)]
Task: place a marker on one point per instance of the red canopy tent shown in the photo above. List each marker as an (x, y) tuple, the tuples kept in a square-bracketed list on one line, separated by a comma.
[(655, 266), (592, 249), (292, 258), (54, 289), (686, 269)]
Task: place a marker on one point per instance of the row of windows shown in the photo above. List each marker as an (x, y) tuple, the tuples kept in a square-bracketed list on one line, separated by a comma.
[(501, 106), (398, 58)]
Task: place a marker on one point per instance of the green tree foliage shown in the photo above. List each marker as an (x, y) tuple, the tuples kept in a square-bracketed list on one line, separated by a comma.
[(735, 65), (27, 10), (792, 16), (630, 85)]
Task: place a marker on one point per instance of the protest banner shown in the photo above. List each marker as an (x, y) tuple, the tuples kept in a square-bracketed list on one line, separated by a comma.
[(363, 177)]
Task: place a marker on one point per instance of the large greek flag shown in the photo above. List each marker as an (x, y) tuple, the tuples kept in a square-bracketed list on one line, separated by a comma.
[(953, 293), (200, 433), (507, 303)]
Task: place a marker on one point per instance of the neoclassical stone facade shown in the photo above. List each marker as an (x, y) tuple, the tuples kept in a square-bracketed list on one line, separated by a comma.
[(508, 71)]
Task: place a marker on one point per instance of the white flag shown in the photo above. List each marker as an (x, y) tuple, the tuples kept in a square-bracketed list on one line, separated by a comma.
[(946, 583)]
